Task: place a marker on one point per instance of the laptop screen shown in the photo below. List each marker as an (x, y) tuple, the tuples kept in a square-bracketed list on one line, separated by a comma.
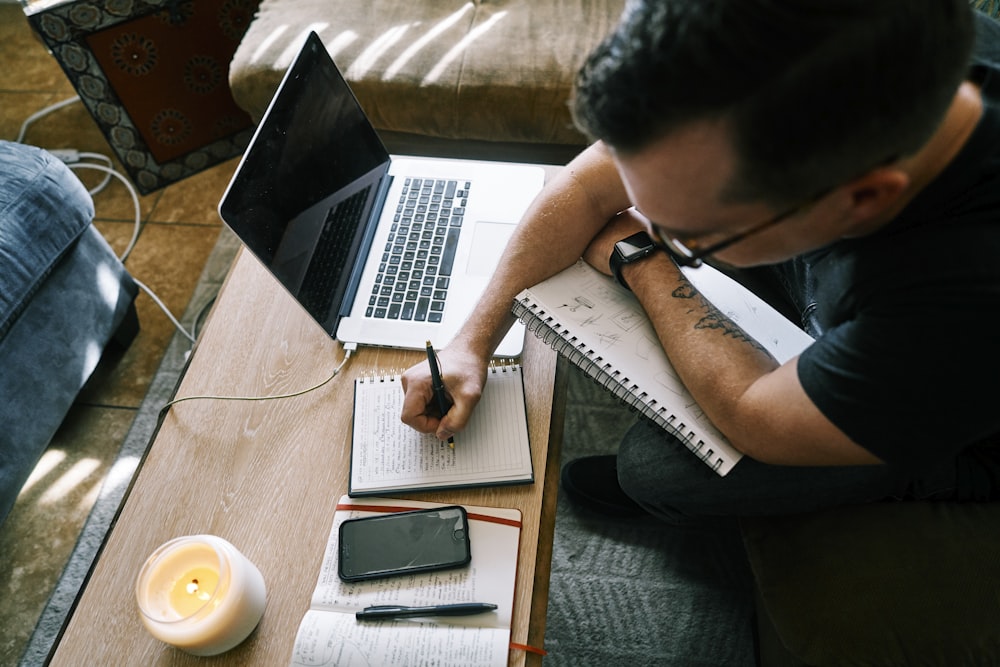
[(309, 178)]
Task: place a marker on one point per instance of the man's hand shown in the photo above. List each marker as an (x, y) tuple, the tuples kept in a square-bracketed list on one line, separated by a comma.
[(463, 374), (619, 227), (575, 204)]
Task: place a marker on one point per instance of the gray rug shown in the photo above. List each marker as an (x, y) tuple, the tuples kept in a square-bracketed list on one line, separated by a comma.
[(637, 591), (622, 591)]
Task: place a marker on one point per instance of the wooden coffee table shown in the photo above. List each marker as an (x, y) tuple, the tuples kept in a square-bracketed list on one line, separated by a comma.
[(267, 475)]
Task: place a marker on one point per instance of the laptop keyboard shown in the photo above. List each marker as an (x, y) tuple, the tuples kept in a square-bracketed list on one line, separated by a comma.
[(416, 266)]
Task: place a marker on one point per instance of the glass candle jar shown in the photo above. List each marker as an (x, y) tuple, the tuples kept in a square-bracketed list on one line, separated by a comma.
[(200, 594)]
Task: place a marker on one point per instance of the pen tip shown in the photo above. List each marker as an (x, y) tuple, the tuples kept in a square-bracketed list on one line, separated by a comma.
[(428, 343)]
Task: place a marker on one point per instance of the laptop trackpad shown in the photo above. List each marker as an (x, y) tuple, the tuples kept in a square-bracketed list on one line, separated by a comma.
[(487, 238)]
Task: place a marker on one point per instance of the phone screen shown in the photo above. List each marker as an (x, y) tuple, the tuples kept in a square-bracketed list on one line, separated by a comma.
[(403, 543)]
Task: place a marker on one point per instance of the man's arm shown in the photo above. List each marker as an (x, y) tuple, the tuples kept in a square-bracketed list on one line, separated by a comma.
[(553, 234), (758, 404)]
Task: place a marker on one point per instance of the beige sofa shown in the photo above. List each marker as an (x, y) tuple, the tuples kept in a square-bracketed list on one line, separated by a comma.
[(470, 78)]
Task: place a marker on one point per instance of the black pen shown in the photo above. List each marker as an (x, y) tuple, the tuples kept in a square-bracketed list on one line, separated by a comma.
[(399, 611), (437, 384)]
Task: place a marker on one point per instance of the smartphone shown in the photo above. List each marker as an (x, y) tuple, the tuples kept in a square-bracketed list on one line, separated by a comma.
[(390, 545)]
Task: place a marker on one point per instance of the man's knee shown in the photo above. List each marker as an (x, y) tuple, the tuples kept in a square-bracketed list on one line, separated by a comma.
[(661, 474)]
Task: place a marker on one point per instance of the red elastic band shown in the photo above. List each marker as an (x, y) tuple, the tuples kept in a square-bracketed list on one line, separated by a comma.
[(529, 649)]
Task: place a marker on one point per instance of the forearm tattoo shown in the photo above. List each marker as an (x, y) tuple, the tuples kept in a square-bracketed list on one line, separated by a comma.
[(712, 317)]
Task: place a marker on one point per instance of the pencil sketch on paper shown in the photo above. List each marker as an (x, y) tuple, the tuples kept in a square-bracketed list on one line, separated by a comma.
[(578, 303), (608, 338), (647, 349), (669, 381), (609, 332), (628, 319)]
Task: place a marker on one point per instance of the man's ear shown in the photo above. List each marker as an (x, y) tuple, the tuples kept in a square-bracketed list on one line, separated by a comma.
[(875, 196)]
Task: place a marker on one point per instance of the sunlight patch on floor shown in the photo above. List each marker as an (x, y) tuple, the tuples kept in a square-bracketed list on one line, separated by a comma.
[(69, 481), (46, 464)]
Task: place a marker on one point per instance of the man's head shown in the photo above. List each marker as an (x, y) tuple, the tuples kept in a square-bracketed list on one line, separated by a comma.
[(809, 94)]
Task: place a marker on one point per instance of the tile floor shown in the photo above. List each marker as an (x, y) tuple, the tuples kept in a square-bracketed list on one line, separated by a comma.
[(179, 229)]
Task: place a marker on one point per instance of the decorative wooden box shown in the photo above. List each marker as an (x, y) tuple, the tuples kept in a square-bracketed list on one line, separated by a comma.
[(154, 75)]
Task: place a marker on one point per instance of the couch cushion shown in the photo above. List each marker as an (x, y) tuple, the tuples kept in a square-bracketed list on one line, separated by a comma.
[(43, 209), (497, 70), (885, 584), (52, 349)]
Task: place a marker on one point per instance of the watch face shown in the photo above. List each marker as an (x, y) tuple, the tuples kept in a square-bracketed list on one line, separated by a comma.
[(637, 244), (627, 251)]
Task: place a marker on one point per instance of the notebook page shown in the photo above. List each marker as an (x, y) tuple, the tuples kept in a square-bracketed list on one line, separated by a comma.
[(493, 448), (338, 639), (330, 634)]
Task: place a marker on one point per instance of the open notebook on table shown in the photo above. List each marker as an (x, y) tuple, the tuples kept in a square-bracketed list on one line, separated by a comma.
[(329, 634), (387, 455)]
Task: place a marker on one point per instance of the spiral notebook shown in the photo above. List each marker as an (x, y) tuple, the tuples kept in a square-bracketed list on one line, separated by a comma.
[(601, 327), (387, 455)]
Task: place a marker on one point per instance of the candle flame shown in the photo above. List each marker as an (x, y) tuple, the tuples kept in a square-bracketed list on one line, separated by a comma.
[(193, 589)]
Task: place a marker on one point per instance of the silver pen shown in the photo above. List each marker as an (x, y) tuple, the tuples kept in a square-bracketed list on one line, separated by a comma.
[(400, 611)]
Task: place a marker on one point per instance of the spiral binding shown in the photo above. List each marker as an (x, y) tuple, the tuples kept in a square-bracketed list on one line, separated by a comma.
[(388, 375), (395, 374), (545, 327), (503, 366)]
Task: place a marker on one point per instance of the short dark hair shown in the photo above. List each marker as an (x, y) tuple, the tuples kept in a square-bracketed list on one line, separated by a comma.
[(813, 92)]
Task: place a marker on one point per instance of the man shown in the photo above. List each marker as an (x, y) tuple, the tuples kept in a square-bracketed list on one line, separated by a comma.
[(841, 158)]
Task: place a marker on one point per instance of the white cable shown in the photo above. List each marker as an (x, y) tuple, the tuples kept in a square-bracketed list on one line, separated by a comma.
[(47, 110), (163, 307), (107, 177), (72, 159), (132, 192), (336, 372), (137, 226)]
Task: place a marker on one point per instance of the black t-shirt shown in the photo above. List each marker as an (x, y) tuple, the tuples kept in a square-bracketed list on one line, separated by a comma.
[(908, 362)]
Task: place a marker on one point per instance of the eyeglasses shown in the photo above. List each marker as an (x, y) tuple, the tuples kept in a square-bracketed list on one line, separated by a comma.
[(687, 252)]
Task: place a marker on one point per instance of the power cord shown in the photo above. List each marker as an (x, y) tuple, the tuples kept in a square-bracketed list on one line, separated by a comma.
[(336, 371), (78, 160), (72, 159), (44, 112), (163, 307), (67, 156)]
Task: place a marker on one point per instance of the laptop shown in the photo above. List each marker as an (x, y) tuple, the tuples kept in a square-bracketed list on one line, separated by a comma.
[(380, 250)]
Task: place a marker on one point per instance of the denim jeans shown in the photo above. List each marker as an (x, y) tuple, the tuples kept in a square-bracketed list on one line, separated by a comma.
[(671, 483)]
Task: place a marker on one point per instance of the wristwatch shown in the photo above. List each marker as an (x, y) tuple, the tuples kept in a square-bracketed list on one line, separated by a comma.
[(628, 251)]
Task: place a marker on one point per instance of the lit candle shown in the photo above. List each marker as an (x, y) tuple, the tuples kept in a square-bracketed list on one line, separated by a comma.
[(200, 594)]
